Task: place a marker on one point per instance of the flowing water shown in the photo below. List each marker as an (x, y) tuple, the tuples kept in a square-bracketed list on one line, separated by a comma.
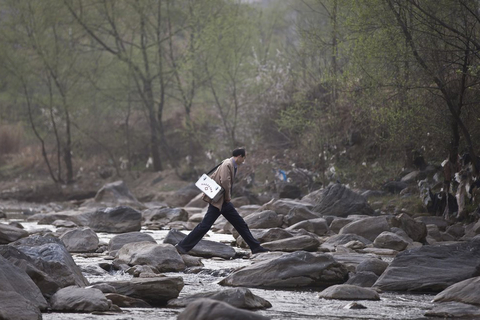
[(286, 304)]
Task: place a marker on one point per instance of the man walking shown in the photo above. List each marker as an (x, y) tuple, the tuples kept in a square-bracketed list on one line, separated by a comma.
[(224, 176)]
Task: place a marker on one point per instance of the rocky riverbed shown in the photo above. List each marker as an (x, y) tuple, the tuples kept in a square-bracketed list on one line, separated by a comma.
[(333, 257)]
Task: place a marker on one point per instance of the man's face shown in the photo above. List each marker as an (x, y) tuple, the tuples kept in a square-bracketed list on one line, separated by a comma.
[(240, 159)]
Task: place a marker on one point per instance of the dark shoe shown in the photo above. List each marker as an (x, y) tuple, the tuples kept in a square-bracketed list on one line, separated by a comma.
[(259, 250), (180, 249)]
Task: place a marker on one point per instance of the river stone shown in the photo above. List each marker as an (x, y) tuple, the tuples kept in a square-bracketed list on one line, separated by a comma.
[(337, 200), (390, 240), (207, 309), (297, 214), (154, 291), (50, 256), (44, 282), (416, 230), (241, 298), (318, 226), (163, 257), (368, 228), (348, 292), (205, 248), (116, 194), (119, 240), (306, 243), (264, 235), (452, 310), (126, 302), (64, 224), (363, 279), (15, 306), (10, 233), (264, 220), (80, 240), (466, 291), (114, 220), (75, 299), (339, 223), (374, 265), (182, 196), (284, 206), (342, 239), (163, 216), (15, 280), (310, 270), (431, 268)]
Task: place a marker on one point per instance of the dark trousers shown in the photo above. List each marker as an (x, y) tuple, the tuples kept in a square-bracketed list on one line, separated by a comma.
[(229, 212)]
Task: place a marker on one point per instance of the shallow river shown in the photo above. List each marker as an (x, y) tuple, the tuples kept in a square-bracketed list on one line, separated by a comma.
[(285, 304)]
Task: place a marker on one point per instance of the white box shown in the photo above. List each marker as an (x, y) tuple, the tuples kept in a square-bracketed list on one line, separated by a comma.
[(208, 186)]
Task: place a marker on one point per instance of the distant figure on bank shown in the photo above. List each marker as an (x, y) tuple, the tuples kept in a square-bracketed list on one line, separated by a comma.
[(224, 176)]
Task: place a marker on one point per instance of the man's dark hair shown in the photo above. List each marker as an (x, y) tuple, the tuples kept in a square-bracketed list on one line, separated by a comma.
[(239, 152)]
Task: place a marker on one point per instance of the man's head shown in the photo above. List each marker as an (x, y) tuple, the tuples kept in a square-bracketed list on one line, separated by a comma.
[(239, 154)]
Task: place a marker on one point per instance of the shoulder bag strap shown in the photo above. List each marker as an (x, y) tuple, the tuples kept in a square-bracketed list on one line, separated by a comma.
[(214, 168)]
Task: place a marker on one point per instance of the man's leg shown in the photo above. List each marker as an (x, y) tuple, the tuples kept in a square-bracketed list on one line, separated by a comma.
[(200, 230), (229, 212)]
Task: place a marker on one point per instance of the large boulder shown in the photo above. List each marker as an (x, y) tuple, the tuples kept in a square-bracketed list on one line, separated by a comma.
[(16, 306), (75, 299), (119, 240), (116, 194), (390, 240), (264, 220), (284, 206), (337, 200), (9, 233), (298, 243), (164, 216), (297, 214), (15, 280), (113, 220), (264, 235), (209, 309), (182, 196), (80, 240), (368, 228), (416, 230), (311, 270), (155, 291), (205, 248), (241, 298), (343, 239), (318, 226), (44, 282), (163, 257), (466, 291), (50, 256), (431, 268)]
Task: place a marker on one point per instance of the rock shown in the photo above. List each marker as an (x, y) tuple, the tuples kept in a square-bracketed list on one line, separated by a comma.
[(15, 306), (208, 309), (118, 241), (183, 196), (311, 270), (197, 202), (126, 302), (298, 243), (452, 310), (264, 235), (339, 223), (14, 280), (114, 220), (117, 194), (44, 282), (264, 220), (205, 248), (354, 306), (368, 228), (241, 298), (377, 266), (390, 240), (363, 279), (50, 256), (298, 214), (64, 224), (348, 292), (154, 291), (284, 206), (416, 230), (338, 240), (164, 216), (9, 233), (105, 288), (318, 226), (289, 191), (466, 291), (75, 299), (163, 257), (337, 200), (80, 240), (431, 268)]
